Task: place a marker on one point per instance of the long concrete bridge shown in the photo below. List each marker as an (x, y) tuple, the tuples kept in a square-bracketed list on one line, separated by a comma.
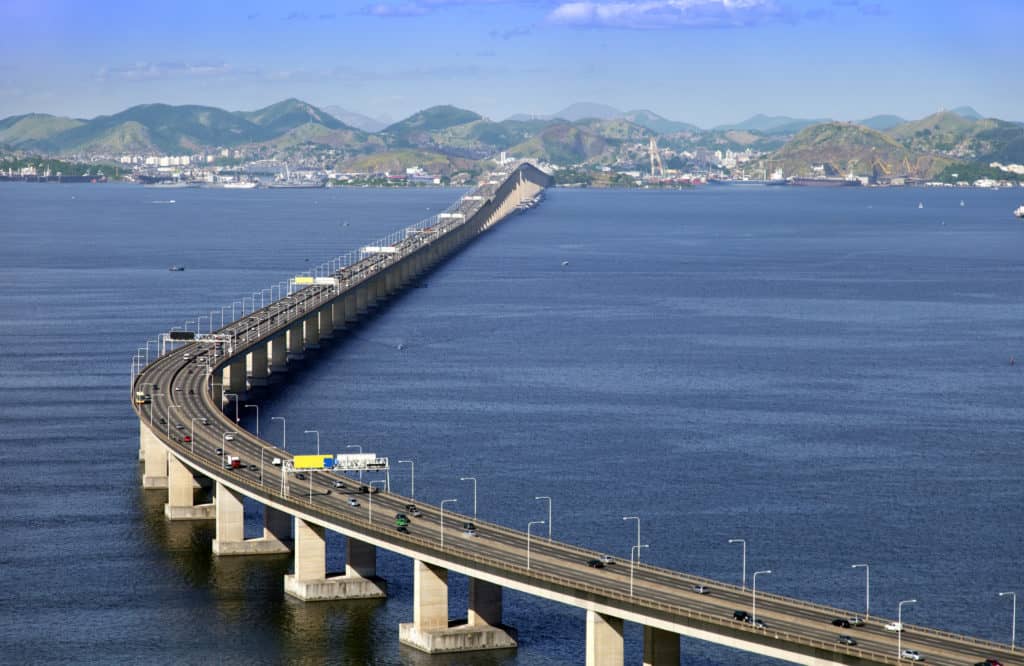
[(184, 440)]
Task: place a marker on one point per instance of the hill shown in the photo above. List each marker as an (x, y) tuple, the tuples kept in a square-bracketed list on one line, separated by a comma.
[(563, 143), (358, 120), (284, 116), (658, 124), (416, 129), (949, 132), (772, 124), (848, 148), (33, 128), (882, 122)]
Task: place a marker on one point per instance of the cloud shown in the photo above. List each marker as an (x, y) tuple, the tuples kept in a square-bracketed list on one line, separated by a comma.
[(153, 71), (663, 14)]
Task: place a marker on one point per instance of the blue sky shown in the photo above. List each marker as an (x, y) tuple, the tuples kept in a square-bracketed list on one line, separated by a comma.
[(702, 61)]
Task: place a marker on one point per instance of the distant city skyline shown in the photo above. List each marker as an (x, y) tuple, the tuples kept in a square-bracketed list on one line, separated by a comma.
[(707, 62)]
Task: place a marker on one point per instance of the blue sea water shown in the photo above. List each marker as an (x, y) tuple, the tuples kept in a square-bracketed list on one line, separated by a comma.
[(824, 373)]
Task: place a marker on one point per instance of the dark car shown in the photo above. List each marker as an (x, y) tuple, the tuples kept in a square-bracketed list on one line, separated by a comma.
[(403, 529), (300, 476), (758, 623), (468, 526), (363, 489), (219, 451), (846, 640), (742, 616), (595, 564), (841, 622)]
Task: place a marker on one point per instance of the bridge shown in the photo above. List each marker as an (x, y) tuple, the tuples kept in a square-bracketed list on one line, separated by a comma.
[(187, 437)]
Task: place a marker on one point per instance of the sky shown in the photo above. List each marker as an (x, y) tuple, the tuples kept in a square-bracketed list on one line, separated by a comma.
[(708, 62)]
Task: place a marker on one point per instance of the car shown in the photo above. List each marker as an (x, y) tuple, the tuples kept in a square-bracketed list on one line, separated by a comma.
[(352, 501), (469, 526), (701, 589), (402, 528), (276, 462), (595, 564), (841, 622), (742, 616), (846, 640), (337, 484), (188, 438), (374, 490), (179, 426), (401, 520), (469, 533), (606, 559), (205, 421), (758, 623), (177, 388), (230, 437), (219, 451), (363, 489), (300, 476), (912, 655), (855, 621), (252, 467), (191, 392), (894, 626), (413, 511), (163, 421)]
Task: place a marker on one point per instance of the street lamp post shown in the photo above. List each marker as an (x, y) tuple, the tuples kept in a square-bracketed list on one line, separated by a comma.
[(530, 525), (753, 608), (899, 623), (867, 588), (359, 448), (170, 406), (317, 433), (284, 430), (473, 479), (443, 502), (1013, 626), (193, 435), (412, 470), (545, 497), (370, 500), (637, 519), (632, 562), (257, 408), (744, 579), (235, 396)]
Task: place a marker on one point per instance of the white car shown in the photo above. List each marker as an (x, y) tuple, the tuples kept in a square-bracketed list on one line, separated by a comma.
[(894, 626), (229, 437), (352, 501), (912, 655), (276, 462)]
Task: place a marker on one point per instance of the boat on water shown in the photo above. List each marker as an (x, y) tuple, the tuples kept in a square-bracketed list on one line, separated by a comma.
[(240, 185), (825, 181), (290, 182), (1019, 212), (920, 204), (176, 268), (171, 184)]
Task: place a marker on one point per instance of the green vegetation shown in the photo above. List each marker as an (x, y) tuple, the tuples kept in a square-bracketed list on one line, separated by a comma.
[(54, 166), (970, 172)]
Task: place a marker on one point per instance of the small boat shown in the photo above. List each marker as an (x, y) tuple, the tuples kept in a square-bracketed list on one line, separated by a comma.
[(1019, 212), (565, 263), (920, 204), (961, 203), (176, 268)]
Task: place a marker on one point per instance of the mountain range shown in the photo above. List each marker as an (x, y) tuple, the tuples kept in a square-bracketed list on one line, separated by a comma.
[(450, 138)]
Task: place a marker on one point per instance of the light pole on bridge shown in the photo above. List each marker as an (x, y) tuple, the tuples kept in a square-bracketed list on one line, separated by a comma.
[(370, 497), (867, 588), (257, 408), (473, 479), (753, 607), (317, 433), (529, 526), (899, 627), (412, 470), (637, 519), (284, 430), (744, 542), (632, 562), (545, 497), (1013, 626), (443, 502), (235, 396)]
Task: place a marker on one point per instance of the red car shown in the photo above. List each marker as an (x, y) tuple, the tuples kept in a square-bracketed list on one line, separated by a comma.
[(188, 438)]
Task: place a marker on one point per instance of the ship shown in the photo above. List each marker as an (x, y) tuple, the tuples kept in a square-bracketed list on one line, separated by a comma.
[(825, 181), (1019, 212), (240, 185), (176, 268), (291, 183), (171, 184)]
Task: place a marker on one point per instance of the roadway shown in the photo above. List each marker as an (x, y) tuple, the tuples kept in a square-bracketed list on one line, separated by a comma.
[(497, 550)]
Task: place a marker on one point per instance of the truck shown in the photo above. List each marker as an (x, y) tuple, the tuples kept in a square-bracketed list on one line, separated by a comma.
[(142, 398), (232, 462)]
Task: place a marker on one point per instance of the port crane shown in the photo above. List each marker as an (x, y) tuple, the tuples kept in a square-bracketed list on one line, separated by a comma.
[(657, 168)]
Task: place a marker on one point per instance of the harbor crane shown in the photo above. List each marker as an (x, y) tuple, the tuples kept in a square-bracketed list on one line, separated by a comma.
[(657, 168)]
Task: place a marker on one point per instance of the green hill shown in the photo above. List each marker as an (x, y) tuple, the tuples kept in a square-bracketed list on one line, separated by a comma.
[(658, 124), (416, 129), (33, 128), (563, 143), (289, 114), (847, 148), (963, 137)]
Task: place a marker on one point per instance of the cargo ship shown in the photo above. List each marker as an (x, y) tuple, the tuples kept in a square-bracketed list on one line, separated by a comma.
[(825, 182)]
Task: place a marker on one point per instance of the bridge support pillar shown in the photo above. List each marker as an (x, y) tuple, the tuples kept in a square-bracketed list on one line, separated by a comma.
[(432, 632), (234, 376), (661, 648), (230, 532), (326, 317), (310, 581), (604, 640), (311, 331), (256, 360), (351, 315), (181, 487), (338, 314), (154, 455), (361, 299), (279, 354), (295, 342)]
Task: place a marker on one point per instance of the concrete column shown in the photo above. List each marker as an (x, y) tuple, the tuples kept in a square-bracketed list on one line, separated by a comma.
[(256, 360), (604, 640), (230, 532), (661, 648), (154, 455), (326, 317), (338, 314), (311, 331), (360, 559), (390, 285), (279, 353), (181, 488), (277, 526), (351, 315), (430, 596), (235, 376), (484, 603), (310, 581), (295, 342), (361, 299)]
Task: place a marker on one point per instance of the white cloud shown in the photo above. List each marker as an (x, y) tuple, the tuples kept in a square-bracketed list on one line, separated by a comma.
[(151, 71), (660, 14)]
